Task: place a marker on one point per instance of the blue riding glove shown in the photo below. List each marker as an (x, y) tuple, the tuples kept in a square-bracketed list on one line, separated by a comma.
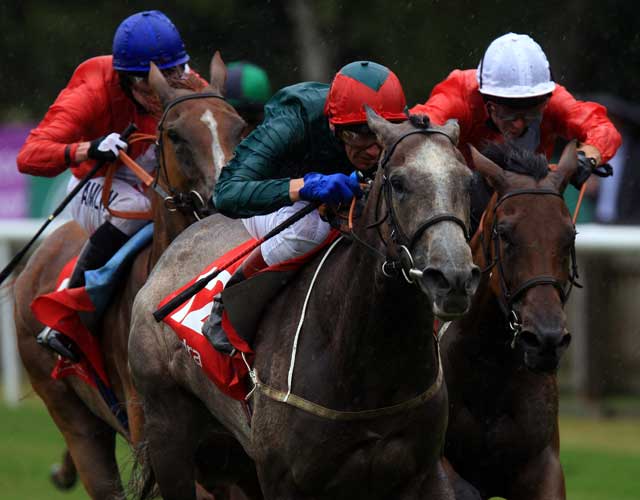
[(332, 189)]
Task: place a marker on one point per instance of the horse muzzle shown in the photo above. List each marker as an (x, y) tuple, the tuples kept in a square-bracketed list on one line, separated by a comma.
[(450, 289), (543, 349)]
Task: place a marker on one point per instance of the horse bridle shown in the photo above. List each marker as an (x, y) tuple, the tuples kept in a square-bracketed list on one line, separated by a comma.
[(186, 203), (509, 297), (399, 255)]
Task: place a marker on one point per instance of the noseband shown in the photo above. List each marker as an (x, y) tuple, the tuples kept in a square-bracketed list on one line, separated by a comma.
[(509, 297), (399, 256), (178, 201)]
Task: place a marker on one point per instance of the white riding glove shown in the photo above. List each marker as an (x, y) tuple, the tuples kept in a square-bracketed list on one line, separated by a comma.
[(106, 148)]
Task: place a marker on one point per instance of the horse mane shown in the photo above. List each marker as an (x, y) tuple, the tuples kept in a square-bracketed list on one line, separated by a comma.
[(518, 160)]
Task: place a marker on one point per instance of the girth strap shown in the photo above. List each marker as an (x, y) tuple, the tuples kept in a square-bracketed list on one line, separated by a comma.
[(331, 414)]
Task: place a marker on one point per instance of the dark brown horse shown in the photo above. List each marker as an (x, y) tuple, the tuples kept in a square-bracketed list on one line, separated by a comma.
[(367, 412), (501, 359), (197, 136)]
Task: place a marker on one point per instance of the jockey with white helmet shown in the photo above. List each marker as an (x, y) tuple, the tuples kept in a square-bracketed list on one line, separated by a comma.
[(82, 128), (512, 96)]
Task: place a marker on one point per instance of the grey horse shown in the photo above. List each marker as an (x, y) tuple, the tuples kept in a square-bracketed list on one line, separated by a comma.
[(367, 410)]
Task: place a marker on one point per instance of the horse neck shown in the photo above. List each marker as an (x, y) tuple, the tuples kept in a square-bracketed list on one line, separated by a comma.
[(378, 330), (484, 329), (166, 227)]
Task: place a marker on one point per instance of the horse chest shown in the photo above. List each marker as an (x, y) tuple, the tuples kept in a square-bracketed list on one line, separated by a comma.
[(358, 468), (510, 423)]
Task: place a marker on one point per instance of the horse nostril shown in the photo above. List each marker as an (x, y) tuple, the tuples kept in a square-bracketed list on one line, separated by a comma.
[(472, 283), (436, 280), (530, 339), (565, 340)]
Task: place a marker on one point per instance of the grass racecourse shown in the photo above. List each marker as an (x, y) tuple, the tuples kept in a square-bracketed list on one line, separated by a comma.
[(601, 457)]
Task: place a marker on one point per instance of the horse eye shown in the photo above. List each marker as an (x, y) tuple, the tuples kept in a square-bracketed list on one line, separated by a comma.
[(173, 135), (505, 234), (398, 185)]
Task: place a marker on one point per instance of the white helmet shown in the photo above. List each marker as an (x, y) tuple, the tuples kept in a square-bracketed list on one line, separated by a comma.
[(514, 66)]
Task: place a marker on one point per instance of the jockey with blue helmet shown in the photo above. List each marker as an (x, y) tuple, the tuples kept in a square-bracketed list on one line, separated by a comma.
[(81, 128), (313, 136)]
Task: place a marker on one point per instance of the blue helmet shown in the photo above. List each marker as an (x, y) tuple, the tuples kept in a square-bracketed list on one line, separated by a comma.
[(144, 37)]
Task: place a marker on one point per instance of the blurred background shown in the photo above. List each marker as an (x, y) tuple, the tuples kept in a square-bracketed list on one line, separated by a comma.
[(594, 50)]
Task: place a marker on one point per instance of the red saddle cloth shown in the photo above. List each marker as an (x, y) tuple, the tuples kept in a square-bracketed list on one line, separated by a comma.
[(59, 310), (228, 373)]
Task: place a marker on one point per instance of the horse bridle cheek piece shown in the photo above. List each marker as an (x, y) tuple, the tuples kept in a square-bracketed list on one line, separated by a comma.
[(509, 297), (174, 201), (400, 257)]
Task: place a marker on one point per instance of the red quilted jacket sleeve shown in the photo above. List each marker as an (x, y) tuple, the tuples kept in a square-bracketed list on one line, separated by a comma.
[(447, 100), (585, 121), (74, 117)]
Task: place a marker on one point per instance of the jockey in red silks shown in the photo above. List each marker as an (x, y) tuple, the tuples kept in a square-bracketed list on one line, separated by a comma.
[(81, 128), (511, 96), (312, 137)]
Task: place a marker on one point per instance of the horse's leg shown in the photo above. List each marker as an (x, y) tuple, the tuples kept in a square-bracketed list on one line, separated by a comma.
[(64, 475), (541, 479), (173, 426), (434, 485), (91, 442), (463, 489)]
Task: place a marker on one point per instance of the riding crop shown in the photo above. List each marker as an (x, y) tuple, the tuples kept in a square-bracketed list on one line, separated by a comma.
[(189, 292), (18, 257)]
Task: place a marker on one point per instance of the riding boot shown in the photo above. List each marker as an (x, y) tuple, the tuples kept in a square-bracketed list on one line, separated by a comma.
[(97, 251), (212, 327)]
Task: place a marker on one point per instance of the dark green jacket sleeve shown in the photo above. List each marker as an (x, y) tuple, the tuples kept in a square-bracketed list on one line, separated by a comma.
[(249, 185)]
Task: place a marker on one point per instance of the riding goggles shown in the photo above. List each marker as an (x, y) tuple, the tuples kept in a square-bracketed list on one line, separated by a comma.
[(507, 114), (359, 139)]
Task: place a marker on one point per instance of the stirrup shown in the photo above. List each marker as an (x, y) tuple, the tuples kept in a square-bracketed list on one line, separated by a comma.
[(213, 331), (59, 343)]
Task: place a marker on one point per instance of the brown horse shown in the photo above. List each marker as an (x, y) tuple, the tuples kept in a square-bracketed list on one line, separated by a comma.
[(367, 411), (501, 359), (189, 168)]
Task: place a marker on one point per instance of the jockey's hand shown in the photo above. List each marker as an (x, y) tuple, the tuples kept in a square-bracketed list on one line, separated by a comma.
[(333, 189), (419, 120), (106, 148), (587, 166)]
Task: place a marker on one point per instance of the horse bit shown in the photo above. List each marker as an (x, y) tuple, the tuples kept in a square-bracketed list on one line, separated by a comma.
[(404, 245), (186, 203), (509, 297)]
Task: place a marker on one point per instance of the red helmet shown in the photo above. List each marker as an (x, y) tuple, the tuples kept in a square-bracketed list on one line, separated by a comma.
[(360, 83)]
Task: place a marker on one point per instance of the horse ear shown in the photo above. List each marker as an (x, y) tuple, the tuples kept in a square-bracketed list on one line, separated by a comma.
[(566, 167), (452, 129), (385, 131), (218, 73), (489, 170), (159, 84)]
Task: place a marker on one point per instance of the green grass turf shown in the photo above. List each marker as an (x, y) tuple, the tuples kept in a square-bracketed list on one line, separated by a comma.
[(601, 458), (29, 444)]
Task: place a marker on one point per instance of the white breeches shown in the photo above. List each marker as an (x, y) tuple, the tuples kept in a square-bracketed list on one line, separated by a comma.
[(88, 211), (294, 241)]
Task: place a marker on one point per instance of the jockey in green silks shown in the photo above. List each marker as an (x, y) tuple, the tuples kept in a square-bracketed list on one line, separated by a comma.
[(313, 136)]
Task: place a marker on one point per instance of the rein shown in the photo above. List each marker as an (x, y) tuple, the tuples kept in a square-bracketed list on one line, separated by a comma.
[(509, 296)]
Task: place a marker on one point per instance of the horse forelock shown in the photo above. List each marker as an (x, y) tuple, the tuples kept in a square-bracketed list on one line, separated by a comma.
[(520, 161)]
